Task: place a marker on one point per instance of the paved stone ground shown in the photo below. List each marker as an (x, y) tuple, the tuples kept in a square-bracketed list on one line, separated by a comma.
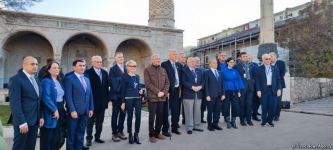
[(322, 106), (293, 128)]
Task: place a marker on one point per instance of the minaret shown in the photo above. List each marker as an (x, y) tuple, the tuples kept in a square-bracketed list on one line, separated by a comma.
[(161, 13), (267, 41)]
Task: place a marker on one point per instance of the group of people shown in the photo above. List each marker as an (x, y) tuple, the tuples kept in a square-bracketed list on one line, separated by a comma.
[(69, 106)]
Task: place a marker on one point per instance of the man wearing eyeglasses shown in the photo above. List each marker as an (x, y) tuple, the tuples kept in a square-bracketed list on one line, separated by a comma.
[(99, 84), (268, 88)]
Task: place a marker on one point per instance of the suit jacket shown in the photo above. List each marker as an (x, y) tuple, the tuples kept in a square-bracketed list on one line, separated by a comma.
[(171, 74), (254, 68), (282, 69), (76, 97), (100, 89), (49, 102), (221, 66), (116, 78), (24, 101), (213, 87), (247, 84), (188, 80), (261, 80), (180, 67)]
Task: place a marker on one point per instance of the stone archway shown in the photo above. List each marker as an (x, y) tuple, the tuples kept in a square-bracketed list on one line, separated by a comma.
[(137, 50), (82, 46), (24, 43)]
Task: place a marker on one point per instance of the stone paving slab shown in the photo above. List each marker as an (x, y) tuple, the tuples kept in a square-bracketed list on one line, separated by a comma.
[(292, 129)]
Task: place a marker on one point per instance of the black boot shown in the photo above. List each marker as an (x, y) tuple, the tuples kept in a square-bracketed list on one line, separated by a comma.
[(130, 138), (233, 122), (136, 138), (228, 122)]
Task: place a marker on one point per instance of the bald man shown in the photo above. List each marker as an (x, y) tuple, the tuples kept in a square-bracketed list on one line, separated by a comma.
[(24, 97)]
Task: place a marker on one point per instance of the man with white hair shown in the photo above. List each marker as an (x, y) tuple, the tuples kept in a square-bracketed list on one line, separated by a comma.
[(268, 87), (174, 89), (99, 84)]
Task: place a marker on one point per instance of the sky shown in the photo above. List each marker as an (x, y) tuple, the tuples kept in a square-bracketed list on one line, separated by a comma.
[(198, 18)]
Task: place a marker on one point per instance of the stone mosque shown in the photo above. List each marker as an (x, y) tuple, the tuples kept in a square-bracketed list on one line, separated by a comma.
[(66, 39)]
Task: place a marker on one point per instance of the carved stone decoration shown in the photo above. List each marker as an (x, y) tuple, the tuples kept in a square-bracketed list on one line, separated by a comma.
[(161, 13)]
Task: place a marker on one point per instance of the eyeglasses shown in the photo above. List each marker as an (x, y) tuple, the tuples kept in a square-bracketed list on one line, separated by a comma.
[(267, 59), (131, 66)]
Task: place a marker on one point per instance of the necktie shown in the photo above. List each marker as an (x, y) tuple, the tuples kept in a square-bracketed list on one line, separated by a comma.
[(176, 75), (216, 74), (34, 84), (99, 72), (83, 82), (195, 75)]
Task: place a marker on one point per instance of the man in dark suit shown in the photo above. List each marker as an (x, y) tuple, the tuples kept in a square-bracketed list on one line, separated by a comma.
[(221, 64), (173, 101), (181, 63), (24, 95), (80, 105), (268, 86), (245, 71), (100, 88), (255, 100), (214, 90), (203, 106), (116, 78), (282, 69)]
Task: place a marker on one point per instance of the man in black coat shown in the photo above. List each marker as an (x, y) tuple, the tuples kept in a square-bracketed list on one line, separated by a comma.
[(174, 102), (181, 63), (246, 73), (100, 88), (282, 70)]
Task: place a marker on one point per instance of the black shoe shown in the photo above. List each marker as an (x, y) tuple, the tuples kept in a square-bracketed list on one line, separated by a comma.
[(243, 123), (122, 136), (217, 127), (177, 126), (175, 131), (203, 121), (99, 141), (88, 143), (189, 132), (263, 124), (276, 119), (250, 123), (115, 138), (85, 148), (197, 129), (271, 124), (183, 121), (233, 123), (167, 134), (210, 128), (256, 118), (130, 138), (136, 138)]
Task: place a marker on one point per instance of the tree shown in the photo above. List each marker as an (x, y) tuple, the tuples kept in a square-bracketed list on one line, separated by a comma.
[(18, 5), (310, 40)]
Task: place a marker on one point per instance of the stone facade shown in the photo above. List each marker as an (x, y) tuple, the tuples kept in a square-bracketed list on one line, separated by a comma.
[(65, 39), (303, 89)]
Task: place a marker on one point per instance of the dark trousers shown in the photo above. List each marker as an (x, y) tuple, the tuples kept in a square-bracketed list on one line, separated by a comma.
[(231, 99), (60, 133), (255, 104), (75, 134), (47, 138), (278, 106), (133, 105), (174, 105), (118, 117), (155, 116), (214, 108), (268, 106), (203, 105), (25, 141), (182, 104), (97, 119), (246, 104)]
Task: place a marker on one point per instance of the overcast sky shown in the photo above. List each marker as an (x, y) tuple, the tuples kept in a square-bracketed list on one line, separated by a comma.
[(198, 18)]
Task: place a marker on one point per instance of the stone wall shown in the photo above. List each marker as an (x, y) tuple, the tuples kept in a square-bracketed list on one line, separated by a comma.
[(302, 89)]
